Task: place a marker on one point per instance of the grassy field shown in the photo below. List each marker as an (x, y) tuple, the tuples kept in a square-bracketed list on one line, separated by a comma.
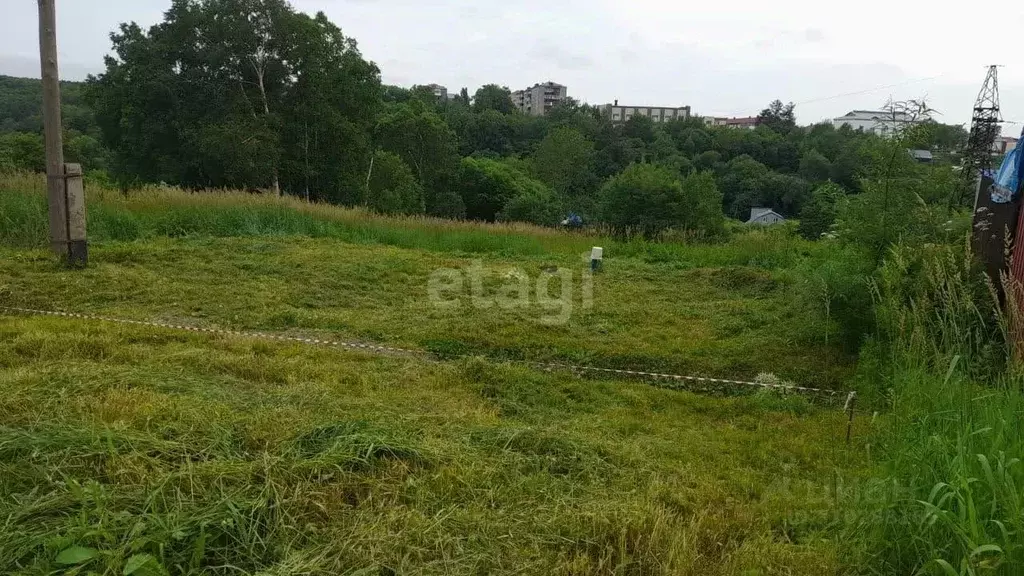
[(238, 261), (126, 447), (210, 453)]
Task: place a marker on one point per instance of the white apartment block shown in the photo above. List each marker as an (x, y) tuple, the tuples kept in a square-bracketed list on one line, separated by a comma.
[(620, 114), (539, 99)]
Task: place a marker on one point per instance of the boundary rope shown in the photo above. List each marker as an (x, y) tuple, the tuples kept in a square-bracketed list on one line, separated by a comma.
[(374, 348)]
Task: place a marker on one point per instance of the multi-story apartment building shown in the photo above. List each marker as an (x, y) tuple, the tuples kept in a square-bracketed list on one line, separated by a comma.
[(441, 92), (538, 99), (620, 114)]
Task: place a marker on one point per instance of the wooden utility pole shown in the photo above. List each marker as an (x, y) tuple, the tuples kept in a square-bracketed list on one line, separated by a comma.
[(67, 212)]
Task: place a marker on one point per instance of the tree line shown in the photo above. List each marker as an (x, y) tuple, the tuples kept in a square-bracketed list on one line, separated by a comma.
[(253, 94)]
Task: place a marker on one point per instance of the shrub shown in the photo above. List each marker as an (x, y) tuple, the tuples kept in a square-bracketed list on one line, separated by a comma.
[(702, 205), (649, 199), (819, 214), (22, 151), (536, 205), (487, 186)]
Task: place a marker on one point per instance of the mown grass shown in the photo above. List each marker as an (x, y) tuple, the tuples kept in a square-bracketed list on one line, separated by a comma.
[(719, 310), (125, 447), (203, 454)]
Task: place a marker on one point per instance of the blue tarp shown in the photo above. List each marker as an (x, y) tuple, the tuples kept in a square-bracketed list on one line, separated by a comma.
[(1006, 181)]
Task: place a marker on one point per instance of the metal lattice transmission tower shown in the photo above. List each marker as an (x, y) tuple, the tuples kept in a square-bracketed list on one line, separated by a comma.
[(984, 129)]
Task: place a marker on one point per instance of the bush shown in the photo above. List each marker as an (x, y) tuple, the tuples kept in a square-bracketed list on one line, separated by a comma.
[(702, 205), (537, 205), (894, 213), (22, 151), (392, 187), (649, 199), (487, 186), (819, 214)]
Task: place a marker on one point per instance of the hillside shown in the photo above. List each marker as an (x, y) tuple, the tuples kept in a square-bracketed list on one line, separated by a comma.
[(21, 106), (127, 445)]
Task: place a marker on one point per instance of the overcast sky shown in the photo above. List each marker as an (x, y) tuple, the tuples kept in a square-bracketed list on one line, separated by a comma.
[(721, 59)]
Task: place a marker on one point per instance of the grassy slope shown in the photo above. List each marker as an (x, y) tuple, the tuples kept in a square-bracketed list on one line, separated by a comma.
[(212, 453), (730, 323), (723, 310)]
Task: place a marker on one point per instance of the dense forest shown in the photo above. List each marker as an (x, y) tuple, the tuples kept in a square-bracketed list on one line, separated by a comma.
[(224, 93)]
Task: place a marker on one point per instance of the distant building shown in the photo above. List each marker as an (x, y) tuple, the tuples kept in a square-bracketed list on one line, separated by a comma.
[(745, 123), (619, 114), (1004, 145), (877, 121), (765, 216), (539, 99), (441, 92)]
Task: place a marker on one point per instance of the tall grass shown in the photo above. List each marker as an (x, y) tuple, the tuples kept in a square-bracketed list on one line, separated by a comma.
[(153, 211), (952, 446)]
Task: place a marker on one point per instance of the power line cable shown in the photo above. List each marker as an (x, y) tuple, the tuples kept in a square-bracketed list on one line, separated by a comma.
[(859, 92)]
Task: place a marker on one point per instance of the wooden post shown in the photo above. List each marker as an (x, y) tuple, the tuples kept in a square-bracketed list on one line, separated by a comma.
[(55, 184), (65, 192), (850, 401)]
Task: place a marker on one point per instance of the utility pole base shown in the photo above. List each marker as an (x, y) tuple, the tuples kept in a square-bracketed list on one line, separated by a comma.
[(78, 253)]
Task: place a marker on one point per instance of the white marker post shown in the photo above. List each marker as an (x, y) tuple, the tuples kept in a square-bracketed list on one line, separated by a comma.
[(596, 258)]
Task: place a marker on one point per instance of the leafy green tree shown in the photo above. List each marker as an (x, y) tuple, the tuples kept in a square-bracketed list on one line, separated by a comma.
[(826, 140), (486, 187), (663, 147), (22, 151), (784, 193), (525, 132), (239, 92), (881, 216), (487, 131), (617, 154), (846, 170), (815, 167), (691, 141), (564, 160), (782, 156), (645, 199), (707, 160), (493, 97), (818, 215), (944, 137), (424, 142), (85, 150), (639, 127), (778, 117), (741, 182), (570, 113), (392, 188), (702, 204), (678, 164), (534, 203)]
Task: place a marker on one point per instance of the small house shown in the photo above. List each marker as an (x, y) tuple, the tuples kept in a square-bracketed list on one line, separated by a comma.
[(922, 156), (765, 216)]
